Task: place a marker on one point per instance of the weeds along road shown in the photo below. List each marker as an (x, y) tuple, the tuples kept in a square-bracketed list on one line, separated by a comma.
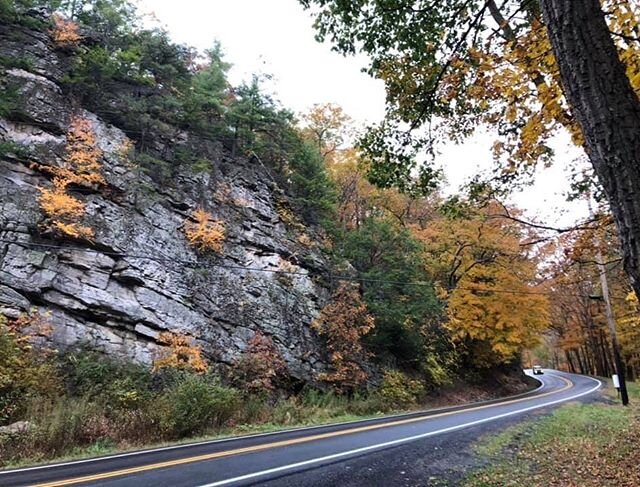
[(306, 454)]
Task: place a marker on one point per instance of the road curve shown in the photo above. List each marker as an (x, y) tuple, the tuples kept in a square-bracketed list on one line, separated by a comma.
[(259, 458)]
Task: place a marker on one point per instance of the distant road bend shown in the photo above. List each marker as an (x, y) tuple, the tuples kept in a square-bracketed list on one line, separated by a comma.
[(259, 458)]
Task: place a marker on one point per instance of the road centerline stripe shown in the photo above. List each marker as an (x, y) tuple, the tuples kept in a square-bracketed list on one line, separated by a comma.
[(294, 441), (387, 444)]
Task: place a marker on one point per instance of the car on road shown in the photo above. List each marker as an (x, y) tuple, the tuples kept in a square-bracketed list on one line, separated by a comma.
[(537, 370)]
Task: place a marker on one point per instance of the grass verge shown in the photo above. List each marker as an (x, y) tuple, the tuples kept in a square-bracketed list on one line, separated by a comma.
[(583, 445)]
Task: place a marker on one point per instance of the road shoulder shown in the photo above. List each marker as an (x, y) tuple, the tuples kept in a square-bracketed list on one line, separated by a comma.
[(591, 443)]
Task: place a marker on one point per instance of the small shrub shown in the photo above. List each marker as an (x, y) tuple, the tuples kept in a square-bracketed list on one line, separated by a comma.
[(9, 147), (24, 372), (196, 403), (305, 240), (65, 33), (285, 272), (435, 372), (82, 166), (201, 165), (126, 151), (117, 385), (260, 368), (180, 353), (398, 390), (59, 205), (205, 234)]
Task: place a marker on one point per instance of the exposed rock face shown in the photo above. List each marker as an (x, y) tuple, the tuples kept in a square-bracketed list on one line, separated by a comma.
[(140, 276)]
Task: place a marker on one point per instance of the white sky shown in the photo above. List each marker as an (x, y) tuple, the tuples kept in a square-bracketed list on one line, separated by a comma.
[(276, 37)]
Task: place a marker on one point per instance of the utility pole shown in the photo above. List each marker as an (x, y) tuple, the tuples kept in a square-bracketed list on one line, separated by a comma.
[(612, 328), (604, 284)]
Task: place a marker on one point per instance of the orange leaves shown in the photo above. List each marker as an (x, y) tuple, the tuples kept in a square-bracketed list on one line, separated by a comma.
[(83, 154), (82, 167), (180, 353), (343, 322), (205, 234), (59, 205), (65, 32)]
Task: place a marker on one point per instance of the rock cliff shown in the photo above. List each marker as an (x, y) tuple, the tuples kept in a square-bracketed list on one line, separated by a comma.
[(139, 276)]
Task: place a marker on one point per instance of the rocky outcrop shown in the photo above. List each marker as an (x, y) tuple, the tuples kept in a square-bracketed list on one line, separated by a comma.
[(140, 277)]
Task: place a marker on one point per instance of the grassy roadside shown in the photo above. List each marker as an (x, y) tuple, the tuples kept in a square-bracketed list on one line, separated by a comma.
[(586, 445), (285, 415), (294, 412), (107, 448)]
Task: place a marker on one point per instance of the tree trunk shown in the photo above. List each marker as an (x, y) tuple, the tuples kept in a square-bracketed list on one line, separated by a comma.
[(572, 368), (608, 110)]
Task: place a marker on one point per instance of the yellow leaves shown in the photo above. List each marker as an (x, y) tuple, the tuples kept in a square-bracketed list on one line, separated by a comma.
[(83, 153), (287, 215), (30, 325), (632, 299), (60, 205), (82, 167), (480, 269), (399, 390), (358, 198), (326, 126), (623, 20), (305, 240), (73, 230), (205, 234), (65, 32), (180, 353)]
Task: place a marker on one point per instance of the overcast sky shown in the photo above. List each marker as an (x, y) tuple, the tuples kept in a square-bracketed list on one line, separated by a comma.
[(276, 37)]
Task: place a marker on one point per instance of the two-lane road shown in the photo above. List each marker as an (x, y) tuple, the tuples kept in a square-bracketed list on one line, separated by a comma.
[(260, 458)]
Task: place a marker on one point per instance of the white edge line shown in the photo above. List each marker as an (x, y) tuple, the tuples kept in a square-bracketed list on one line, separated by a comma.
[(395, 442), (258, 435)]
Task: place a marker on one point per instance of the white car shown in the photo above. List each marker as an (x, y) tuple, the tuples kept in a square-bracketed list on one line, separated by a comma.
[(537, 370)]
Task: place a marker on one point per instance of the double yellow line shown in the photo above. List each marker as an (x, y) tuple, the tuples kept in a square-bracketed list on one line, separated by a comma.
[(278, 444)]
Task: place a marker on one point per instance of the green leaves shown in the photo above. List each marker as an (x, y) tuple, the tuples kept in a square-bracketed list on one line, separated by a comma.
[(396, 289), (392, 160)]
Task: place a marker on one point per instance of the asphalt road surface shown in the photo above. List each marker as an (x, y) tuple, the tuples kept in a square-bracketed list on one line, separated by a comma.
[(306, 456)]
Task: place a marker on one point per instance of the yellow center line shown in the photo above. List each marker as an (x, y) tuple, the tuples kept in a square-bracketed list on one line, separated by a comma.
[(277, 444)]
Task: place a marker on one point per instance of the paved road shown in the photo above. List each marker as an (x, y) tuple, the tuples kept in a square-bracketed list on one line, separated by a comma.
[(308, 454)]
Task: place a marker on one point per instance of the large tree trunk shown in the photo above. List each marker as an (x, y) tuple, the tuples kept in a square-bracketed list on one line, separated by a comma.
[(608, 110)]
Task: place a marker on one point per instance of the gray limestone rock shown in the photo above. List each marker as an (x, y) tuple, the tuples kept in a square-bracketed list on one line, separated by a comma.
[(140, 277)]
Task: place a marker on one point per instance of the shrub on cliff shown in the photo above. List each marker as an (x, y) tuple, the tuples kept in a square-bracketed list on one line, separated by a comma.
[(205, 234)]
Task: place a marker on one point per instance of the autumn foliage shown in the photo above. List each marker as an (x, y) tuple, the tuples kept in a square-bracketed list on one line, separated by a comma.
[(260, 367), (180, 353), (65, 32), (81, 167), (23, 368), (343, 322), (579, 339), (205, 233), (489, 280)]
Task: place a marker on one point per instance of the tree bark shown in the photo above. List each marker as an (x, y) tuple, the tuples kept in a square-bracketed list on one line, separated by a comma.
[(608, 110)]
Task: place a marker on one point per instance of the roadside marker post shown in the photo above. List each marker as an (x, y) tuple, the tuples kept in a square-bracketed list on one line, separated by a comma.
[(616, 383)]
